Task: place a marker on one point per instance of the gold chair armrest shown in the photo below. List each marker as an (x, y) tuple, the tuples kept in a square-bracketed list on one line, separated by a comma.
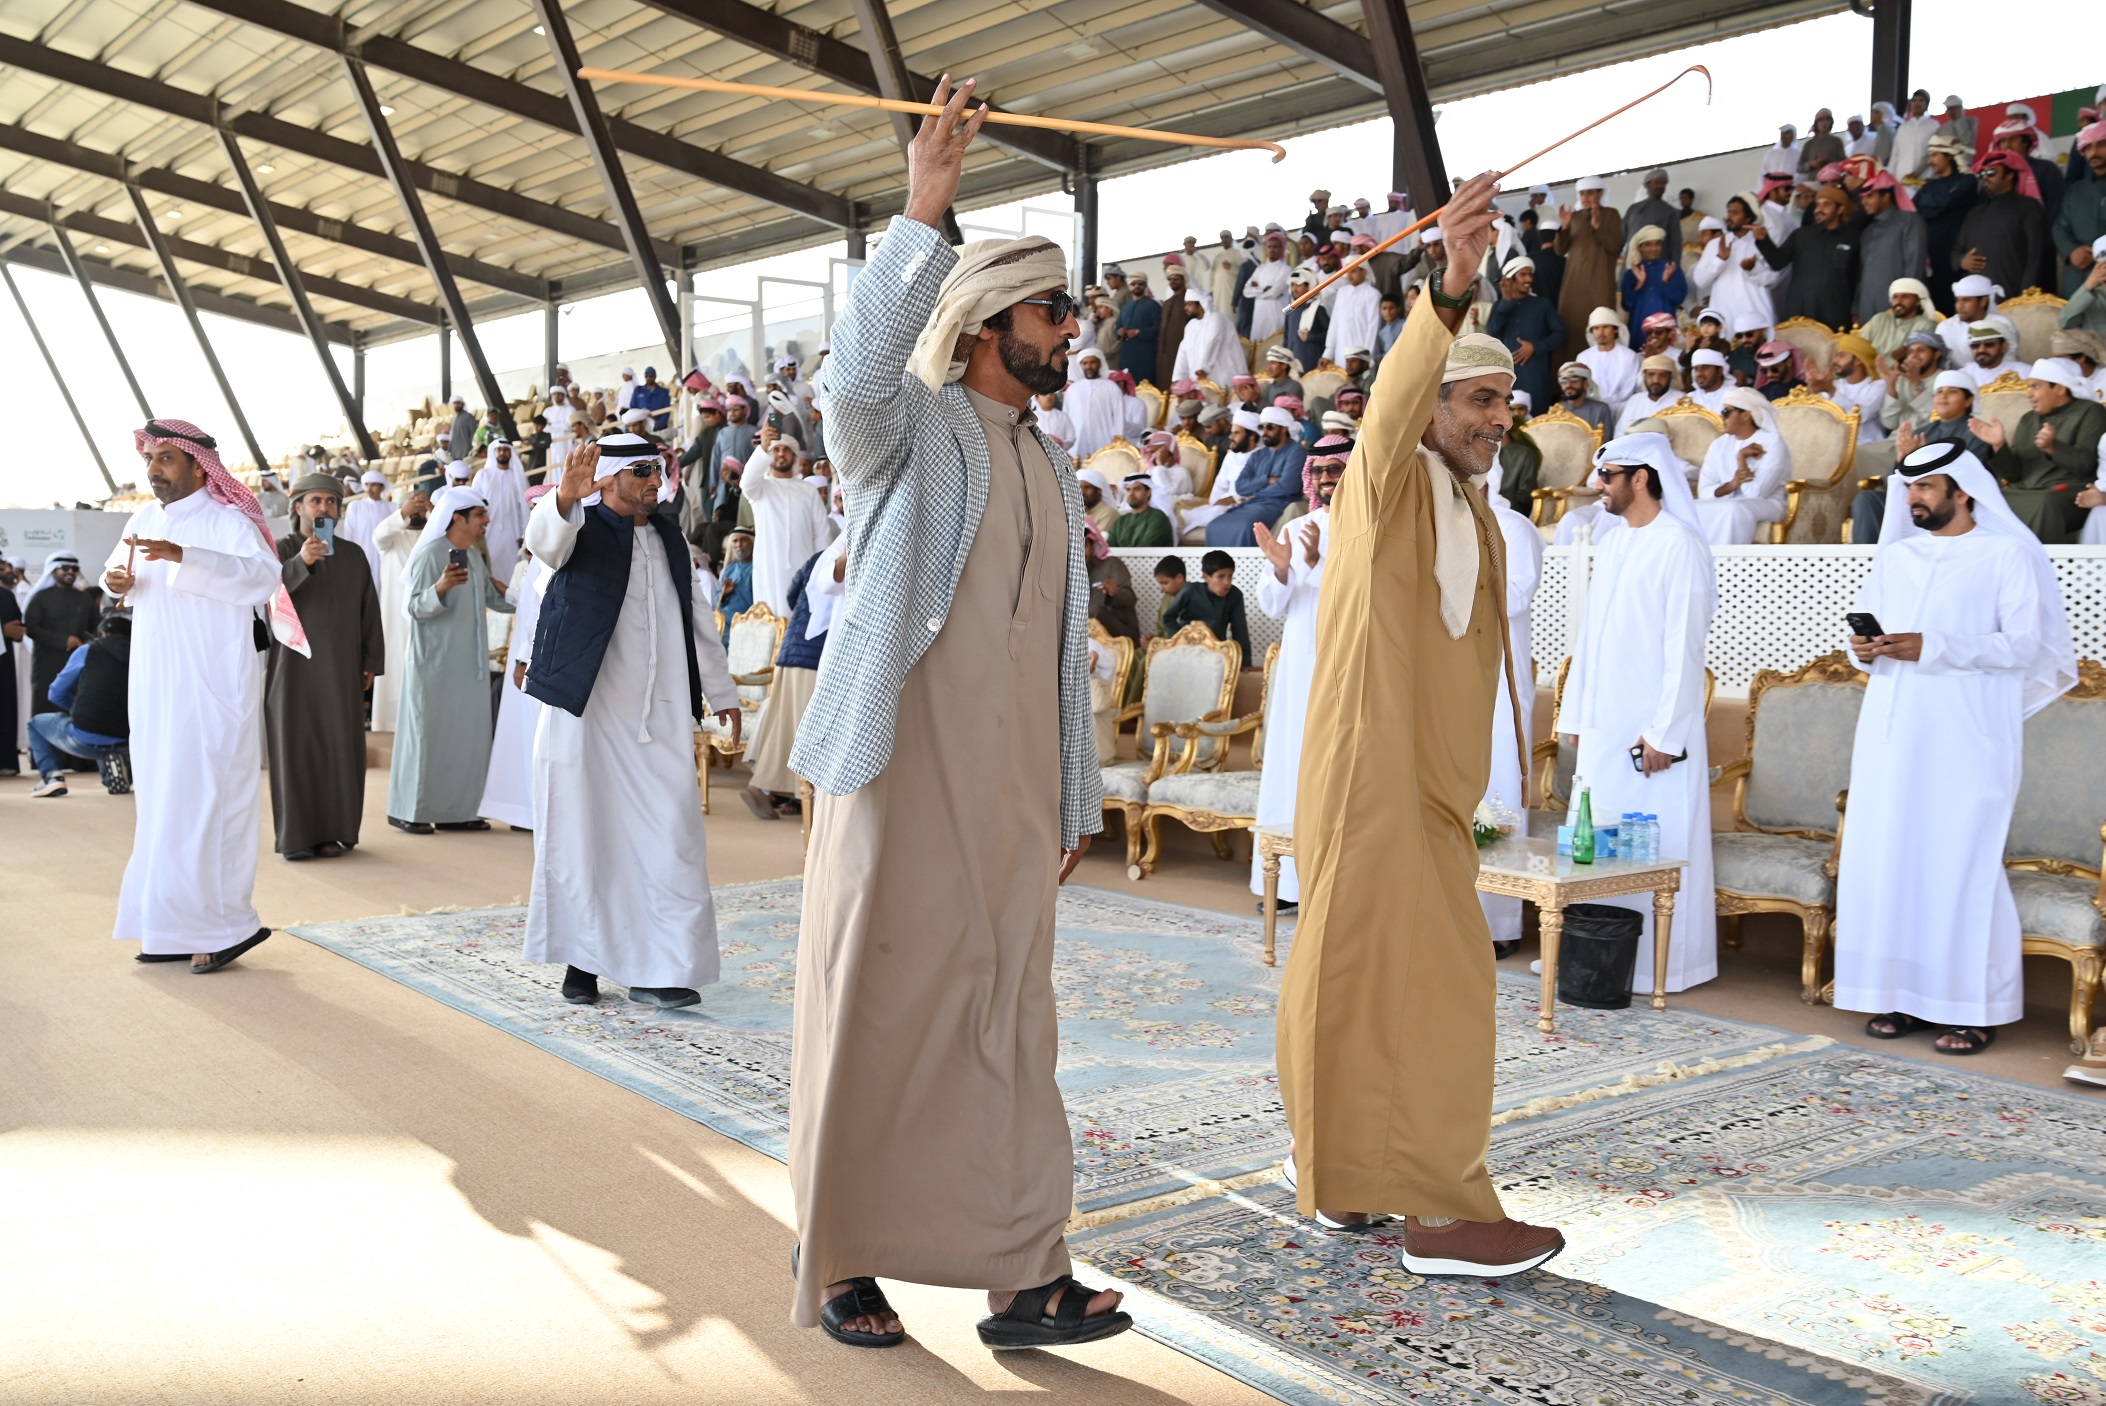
[(1865, 485), (1229, 728), (1835, 855), (2098, 900), (759, 678), (1130, 713), (1732, 770)]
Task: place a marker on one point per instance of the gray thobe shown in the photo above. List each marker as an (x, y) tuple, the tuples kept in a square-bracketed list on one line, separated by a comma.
[(443, 726), (462, 437), (314, 708)]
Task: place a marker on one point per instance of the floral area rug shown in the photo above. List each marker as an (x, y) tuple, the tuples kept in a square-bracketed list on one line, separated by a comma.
[(1830, 1226), (1166, 1021)]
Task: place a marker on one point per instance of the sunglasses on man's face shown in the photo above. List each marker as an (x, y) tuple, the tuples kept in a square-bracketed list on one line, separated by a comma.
[(1059, 308), (646, 471), (1608, 474)]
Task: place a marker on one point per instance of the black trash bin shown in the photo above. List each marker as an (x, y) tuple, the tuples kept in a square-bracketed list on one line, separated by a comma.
[(1597, 954)]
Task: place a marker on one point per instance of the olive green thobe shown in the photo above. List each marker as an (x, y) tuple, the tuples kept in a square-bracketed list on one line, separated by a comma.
[(2041, 485)]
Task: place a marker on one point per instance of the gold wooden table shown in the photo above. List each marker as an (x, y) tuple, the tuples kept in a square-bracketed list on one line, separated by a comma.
[(1521, 866)]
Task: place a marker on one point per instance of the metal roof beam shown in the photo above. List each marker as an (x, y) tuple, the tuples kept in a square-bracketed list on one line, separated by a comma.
[(197, 107), (303, 308), (427, 241), (1309, 33), (504, 94), (818, 52), (109, 333), (585, 107), (242, 265), (145, 285), (169, 275), (51, 365), (895, 83), (1415, 147), (115, 168)]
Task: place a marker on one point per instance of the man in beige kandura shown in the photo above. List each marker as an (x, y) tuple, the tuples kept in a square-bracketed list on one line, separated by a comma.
[(950, 744), (1386, 1007)]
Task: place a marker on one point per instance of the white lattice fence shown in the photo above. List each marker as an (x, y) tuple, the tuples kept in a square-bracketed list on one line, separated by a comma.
[(1250, 564), (1780, 607)]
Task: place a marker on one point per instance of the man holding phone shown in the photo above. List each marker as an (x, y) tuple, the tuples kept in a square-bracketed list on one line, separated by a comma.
[(442, 733), (314, 707), (1962, 628)]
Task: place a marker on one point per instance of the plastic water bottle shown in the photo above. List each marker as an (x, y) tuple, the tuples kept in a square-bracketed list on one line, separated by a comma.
[(1652, 838)]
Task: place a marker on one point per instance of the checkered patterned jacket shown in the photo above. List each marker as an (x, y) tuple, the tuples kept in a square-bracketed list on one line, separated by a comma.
[(914, 473)]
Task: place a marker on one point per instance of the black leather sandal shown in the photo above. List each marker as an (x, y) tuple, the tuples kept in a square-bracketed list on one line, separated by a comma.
[(863, 1299), (1026, 1323), (1973, 1039), (1896, 1024)]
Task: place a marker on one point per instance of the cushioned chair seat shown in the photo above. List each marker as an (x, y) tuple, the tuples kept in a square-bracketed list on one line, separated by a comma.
[(1222, 792), (1126, 781), (1773, 866), (2053, 906)]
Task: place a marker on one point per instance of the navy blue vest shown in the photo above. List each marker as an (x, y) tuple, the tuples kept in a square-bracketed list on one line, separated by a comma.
[(582, 601)]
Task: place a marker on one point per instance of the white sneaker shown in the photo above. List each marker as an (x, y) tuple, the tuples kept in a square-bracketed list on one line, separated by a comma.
[(1536, 966), (2092, 1068)]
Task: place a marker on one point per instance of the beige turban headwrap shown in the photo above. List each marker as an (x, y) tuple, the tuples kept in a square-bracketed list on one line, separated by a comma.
[(1645, 234), (318, 483), (1454, 521), (991, 274)]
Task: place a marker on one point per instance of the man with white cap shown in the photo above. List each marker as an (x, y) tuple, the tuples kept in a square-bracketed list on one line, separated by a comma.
[(1528, 325), (621, 860), (1266, 289), (1974, 301), (1653, 208), (1386, 1032), (443, 724), (458, 473), (1656, 391), (1054, 421), (1989, 353), (1783, 158), (2052, 454), (1952, 408), (1731, 274), (1610, 358), (270, 495), (1907, 311), (1270, 480), (1707, 379), (364, 513), (194, 566), (1278, 369), (1208, 346), (789, 519), (1740, 484), (626, 391), (1910, 153), (562, 409), (1245, 427), (1634, 701), (925, 1007), (1096, 405), (502, 482), (1356, 315), (1974, 641), (461, 429), (1591, 240)]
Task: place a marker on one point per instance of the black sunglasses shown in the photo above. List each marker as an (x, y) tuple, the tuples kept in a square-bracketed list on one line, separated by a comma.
[(1059, 308), (646, 470), (1609, 475)]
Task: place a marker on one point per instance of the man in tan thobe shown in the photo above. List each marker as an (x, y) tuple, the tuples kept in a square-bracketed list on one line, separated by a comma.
[(953, 757), (1386, 1008)]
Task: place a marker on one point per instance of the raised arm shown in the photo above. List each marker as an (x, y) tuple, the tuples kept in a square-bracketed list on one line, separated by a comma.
[(869, 426)]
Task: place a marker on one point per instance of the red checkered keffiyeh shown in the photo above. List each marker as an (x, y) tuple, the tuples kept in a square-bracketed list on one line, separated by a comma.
[(225, 488)]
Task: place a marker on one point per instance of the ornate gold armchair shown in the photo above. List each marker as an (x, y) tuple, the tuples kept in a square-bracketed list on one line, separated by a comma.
[(1211, 391), (756, 638), (1323, 383), (1568, 444), (1122, 653), (1689, 427), (1115, 461), (1261, 346), (2037, 316), (1780, 857), (1191, 678), (1198, 460), (1158, 402), (2004, 400), (1211, 802), (2053, 853), (1815, 341), (1823, 440)]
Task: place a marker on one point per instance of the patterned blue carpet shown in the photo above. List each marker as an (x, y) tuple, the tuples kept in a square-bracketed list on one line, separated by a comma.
[(1754, 1217)]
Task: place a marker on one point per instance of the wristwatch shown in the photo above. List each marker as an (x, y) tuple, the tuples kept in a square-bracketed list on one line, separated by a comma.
[(1442, 300)]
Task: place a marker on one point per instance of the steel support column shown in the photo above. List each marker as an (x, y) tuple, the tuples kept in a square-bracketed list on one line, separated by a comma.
[(1086, 206), (1416, 164), (1890, 52), (260, 212), (894, 82), (628, 216), (51, 365), (401, 178), (858, 244), (181, 292), (551, 326), (445, 366), (358, 377), (87, 290)]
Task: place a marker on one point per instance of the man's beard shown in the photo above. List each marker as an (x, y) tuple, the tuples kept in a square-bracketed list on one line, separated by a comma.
[(419, 522), (1020, 359), (1932, 519)]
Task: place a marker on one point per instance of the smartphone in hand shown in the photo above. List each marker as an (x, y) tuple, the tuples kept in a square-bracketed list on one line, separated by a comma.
[(325, 533), (1863, 625), (457, 556)]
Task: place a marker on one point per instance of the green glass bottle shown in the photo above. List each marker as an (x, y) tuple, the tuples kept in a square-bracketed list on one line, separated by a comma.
[(1583, 830)]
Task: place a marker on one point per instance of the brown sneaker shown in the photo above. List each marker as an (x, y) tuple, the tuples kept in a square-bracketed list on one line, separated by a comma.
[(2092, 1068), (1477, 1247)]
